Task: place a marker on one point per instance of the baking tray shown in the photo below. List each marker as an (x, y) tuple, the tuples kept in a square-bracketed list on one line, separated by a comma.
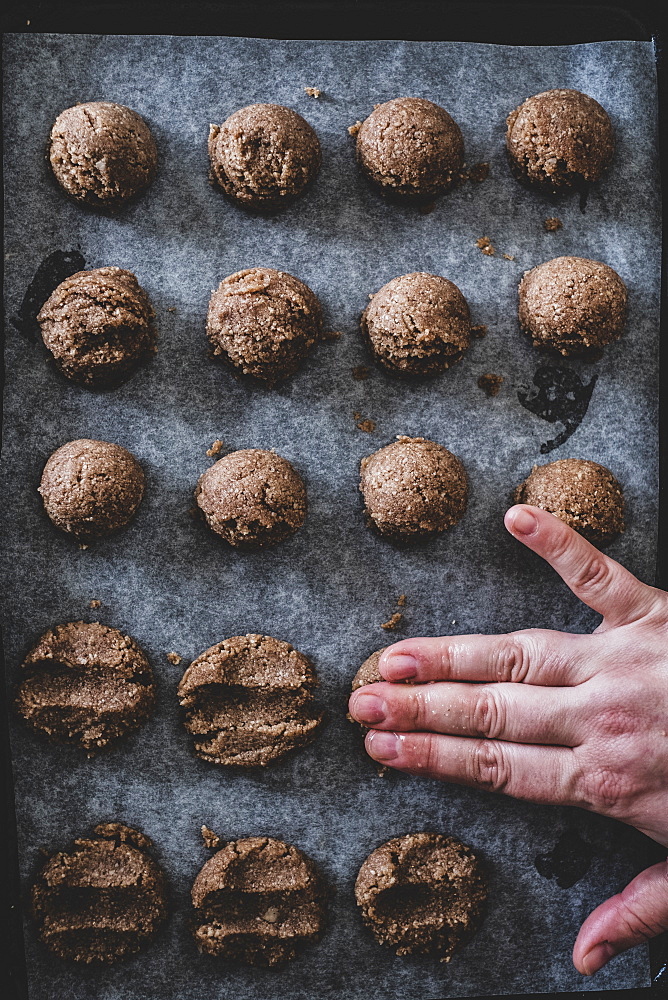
[(499, 22)]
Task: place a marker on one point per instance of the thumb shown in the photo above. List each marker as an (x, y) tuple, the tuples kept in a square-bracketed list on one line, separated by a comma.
[(637, 914)]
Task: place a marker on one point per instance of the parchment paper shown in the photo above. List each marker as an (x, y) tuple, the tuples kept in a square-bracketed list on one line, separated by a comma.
[(174, 587)]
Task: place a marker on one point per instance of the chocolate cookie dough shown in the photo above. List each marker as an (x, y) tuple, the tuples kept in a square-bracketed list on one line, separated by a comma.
[(86, 685), (410, 149), (422, 894), (248, 701), (264, 155), (252, 498), (263, 322), (91, 488), (103, 898), (98, 325), (258, 901), (368, 673), (102, 153), (417, 324), (584, 494), (413, 489), (572, 305), (559, 139)]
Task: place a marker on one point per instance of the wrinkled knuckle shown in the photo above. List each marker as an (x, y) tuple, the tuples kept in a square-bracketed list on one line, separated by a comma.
[(489, 766), (594, 574), (419, 706), (615, 720), (515, 659), (487, 716), (605, 790), (430, 754)]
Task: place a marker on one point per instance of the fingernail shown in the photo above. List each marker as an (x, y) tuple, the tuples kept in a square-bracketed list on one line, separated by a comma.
[(400, 666), (523, 522), (599, 955), (382, 746), (368, 708)]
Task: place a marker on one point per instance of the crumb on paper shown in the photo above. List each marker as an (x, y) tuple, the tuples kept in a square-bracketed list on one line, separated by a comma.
[(313, 92), (485, 245), (479, 331), (401, 601), (393, 622), (95, 603), (82, 546), (354, 129), (454, 621), (211, 839), (215, 448), (361, 372), (171, 309), (478, 173), (490, 383), (332, 335), (174, 658), (507, 256), (364, 424), (552, 224)]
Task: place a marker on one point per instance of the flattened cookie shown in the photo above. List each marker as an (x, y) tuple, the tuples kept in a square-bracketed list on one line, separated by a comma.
[(103, 898), (258, 901), (422, 894), (249, 701), (87, 685)]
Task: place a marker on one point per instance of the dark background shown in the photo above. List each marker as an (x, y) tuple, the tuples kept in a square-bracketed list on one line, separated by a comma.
[(524, 23)]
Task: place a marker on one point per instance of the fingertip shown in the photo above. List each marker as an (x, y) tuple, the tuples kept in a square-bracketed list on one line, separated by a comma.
[(398, 663), (382, 746), (521, 521), (595, 958)]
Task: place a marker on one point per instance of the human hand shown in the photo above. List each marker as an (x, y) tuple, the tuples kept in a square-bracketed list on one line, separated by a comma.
[(551, 717)]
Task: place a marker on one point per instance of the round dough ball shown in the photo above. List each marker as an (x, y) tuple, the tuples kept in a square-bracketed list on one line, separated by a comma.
[(572, 305), (248, 701), (263, 322), (102, 153), (258, 901), (98, 325), (418, 324), (369, 673), (413, 489), (422, 894), (91, 488), (252, 498), (584, 494), (410, 148), (86, 685), (559, 139), (264, 155), (103, 898)]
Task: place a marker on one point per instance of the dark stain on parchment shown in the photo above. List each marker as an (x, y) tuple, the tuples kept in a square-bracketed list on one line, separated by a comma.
[(568, 861), (558, 395), (55, 268)]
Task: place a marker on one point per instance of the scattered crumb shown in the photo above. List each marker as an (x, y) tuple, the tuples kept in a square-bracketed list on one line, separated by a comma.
[(393, 622), (313, 91), (552, 225), (354, 129), (174, 658), (271, 915), (401, 601), (211, 839), (366, 425), (215, 448), (484, 244), (478, 173), (479, 331), (508, 256), (332, 335), (361, 372), (490, 383), (82, 546), (454, 621), (427, 208), (95, 603), (171, 309)]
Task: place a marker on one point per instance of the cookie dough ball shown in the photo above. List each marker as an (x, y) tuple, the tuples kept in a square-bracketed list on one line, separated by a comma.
[(86, 685), (98, 325), (572, 305), (264, 155), (252, 498), (102, 153), (263, 322), (258, 901), (418, 324), (559, 139), (369, 673), (103, 898), (91, 488), (413, 489), (584, 494), (410, 148), (422, 894), (248, 701)]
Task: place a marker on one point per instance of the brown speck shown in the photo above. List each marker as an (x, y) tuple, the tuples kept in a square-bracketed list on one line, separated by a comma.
[(485, 244), (401, 601), (215, 448), (211, 839), (171, 309), (82, 546), (313, 91), (95, 603), (362, 424), (552, 224), (479, 331), (361, 372), (478, 173), (507, 256), (393, 622), (490, 383), (174, 658), (354, 129)]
